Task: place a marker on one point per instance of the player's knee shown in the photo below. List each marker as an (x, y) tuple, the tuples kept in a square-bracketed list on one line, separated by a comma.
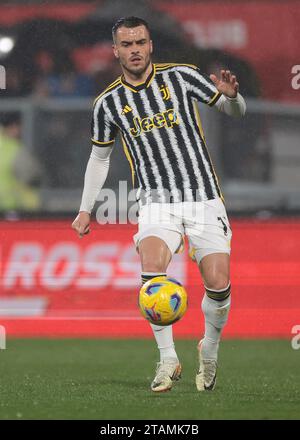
[(155, 256), (218, 281), (151, 264)]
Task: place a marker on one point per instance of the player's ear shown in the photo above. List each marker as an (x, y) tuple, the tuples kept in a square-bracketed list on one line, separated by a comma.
[(115, 50), (151, 46)]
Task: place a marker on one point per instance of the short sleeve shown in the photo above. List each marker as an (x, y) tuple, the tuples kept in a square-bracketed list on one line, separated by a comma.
[(103, 129), (200, 86)]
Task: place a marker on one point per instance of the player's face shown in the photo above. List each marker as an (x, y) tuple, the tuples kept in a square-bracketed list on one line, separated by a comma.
[(133, 48)]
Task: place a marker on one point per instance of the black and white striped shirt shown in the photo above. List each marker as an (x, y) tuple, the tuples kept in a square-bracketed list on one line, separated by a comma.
[(161, 132)]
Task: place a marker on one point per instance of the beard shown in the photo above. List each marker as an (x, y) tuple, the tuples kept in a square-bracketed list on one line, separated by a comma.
[(139, 70)]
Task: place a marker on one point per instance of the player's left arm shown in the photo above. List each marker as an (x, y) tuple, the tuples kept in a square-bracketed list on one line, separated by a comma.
[(222, 93), (231, 101)]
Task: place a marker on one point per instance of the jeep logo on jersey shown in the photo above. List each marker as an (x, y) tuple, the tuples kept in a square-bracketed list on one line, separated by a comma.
[(165, 119)]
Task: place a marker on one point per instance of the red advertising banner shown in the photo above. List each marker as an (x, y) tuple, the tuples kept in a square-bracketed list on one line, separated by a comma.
[(54, 284)]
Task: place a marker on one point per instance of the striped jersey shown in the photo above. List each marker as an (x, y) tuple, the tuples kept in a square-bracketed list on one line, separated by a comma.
[(161, 132)]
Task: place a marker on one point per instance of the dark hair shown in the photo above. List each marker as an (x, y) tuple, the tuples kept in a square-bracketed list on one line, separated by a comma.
[(129, 22)]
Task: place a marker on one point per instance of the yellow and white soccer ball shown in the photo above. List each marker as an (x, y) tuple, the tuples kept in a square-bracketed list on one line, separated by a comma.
[(163, 300)]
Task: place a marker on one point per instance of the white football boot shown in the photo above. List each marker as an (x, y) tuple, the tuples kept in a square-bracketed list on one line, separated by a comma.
[(206, 376), (167, 372)]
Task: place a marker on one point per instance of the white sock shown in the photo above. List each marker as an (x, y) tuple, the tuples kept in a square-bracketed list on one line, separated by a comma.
[(216, 315), (164, 339)]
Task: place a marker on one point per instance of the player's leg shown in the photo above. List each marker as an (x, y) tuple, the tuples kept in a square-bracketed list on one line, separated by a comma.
[(215, 306), (158, 238), (156, 253), (211, 249), (155, 257), (216, 300)]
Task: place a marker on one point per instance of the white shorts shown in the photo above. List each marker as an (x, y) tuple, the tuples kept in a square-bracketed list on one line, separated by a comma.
[(204, 223)]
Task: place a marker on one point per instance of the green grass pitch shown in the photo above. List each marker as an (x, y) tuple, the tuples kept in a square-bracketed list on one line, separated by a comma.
[(110, 379)]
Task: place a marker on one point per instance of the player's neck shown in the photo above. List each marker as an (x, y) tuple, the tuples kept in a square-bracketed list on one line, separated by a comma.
[(137, 79)]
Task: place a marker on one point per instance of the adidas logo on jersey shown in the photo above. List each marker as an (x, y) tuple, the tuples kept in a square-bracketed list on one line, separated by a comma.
[(126, 109), (167, 119)]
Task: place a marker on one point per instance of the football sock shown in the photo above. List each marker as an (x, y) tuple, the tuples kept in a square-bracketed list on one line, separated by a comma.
[(163, 335), (215, 306), (164, 339)]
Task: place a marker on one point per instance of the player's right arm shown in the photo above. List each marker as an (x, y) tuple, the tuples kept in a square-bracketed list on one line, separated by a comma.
[(94, 179), (103, 137)]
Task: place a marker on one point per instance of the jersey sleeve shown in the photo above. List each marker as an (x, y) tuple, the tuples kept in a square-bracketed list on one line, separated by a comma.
[(200, 86), (103, 130)]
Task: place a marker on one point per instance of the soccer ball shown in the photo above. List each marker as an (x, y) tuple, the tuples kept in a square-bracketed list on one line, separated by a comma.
[(163, 300)]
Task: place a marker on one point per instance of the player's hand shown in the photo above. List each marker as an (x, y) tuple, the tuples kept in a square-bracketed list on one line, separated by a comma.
[(81, 224), (227, 85)]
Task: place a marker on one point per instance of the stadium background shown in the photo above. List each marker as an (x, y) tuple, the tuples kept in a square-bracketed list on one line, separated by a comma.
[(57, 58)]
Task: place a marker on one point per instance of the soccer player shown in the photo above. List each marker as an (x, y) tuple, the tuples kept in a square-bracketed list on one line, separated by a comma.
[(154, 107)]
